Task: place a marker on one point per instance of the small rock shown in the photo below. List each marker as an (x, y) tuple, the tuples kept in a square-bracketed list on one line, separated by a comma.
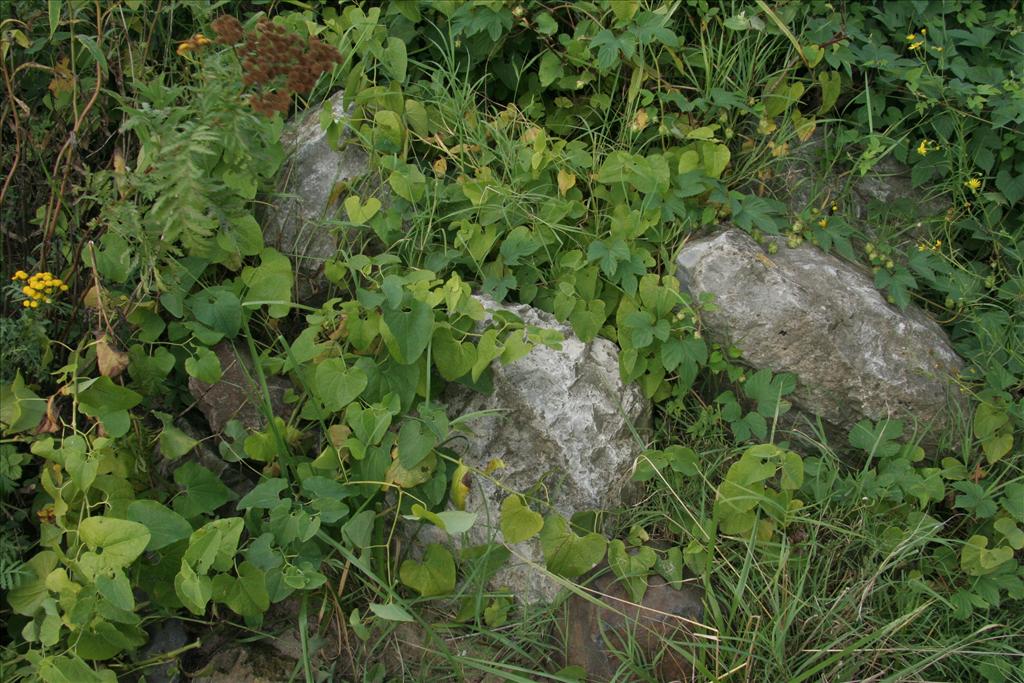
[(237, 395), (296, 221), (809, 313), (566, 421), (165, 636), (610, 621)]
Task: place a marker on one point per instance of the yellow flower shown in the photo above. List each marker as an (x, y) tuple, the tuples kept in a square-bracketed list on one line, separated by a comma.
[(20, 275), (917, 45), (922, 149), (823, 223), (911, 37), (26, 304), (33, 304), (63, 288), (974, 184), (183, 48)]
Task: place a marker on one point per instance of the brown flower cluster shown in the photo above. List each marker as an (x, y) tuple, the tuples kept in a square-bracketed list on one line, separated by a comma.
[(275, 62)]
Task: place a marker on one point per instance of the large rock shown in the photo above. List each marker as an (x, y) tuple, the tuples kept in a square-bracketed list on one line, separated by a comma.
[(567, 422), (822, 319), (608, 621), (314, 181)]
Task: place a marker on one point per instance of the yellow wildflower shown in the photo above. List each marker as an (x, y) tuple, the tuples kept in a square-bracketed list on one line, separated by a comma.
[(922, 149), (823, 223), (916, 45), (973, 184), (33, 304), (911, 37), (20, 275), (27, 291), (26, 303)]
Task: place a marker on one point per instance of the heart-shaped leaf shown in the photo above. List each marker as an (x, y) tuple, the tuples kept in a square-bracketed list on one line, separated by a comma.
[(435, 575), (518, 521), (566, 553), (360, 213)]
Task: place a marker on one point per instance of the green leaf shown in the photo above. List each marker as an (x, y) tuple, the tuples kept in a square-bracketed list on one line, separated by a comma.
[(53, 9), (219, 309), (408, 183), (407, 332), (165, 525), (877, 439), (976, 559), (391, 612), (631, 570), (359, 213), (435, 575), (94, 50), (715, 158), (174, 443), (566, 553), (830, 82), (192, 589), (108, 402), (20, 408), (1010, 531), (519, 242), (204, 365), (996, 447), (28, 596), (114, 544), (1013, 501), (247, 594), (72, 669), (453, 359), (214, 545), (550, 68), (265, 495), (395, 59), (270, 282), (338, 385), (116, 590), (414, 443), (453, 522), (518, 522), (202, 491)]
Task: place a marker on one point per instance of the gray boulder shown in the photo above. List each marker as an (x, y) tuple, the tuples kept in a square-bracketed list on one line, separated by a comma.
[(822, 319), (313, 183), (568, 431)]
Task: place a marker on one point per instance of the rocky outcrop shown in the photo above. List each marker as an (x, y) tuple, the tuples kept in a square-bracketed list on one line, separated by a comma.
[(313, 183), (567, 430), (809, 313)]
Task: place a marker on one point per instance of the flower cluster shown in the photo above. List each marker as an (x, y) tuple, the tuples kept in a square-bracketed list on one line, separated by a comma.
[(916, 40), (194, 43), (276, 62), (39, 287), (934, 246), (926, 146)]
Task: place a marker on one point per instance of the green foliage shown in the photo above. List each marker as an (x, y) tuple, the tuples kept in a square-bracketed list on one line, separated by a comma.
[(553, 155)]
